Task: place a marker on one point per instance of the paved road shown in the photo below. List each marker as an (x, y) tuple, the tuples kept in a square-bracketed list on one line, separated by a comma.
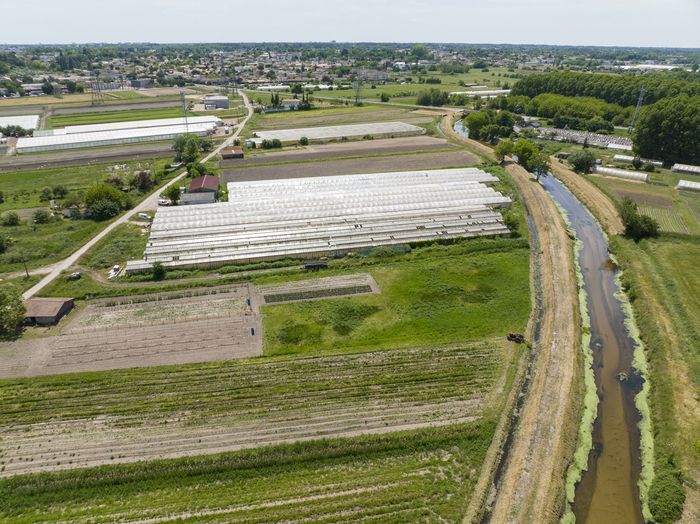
[(151, 202)]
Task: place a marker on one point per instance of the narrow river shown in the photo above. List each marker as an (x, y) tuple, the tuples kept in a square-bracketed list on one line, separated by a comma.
[(608, 492)]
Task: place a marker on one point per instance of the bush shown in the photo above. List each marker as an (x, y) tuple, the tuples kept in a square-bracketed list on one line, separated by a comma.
[(637, 226), (2, 197), (104, 209), (158, 271), (104, 201), (303, 141), (4, 243), (45, 195), (59, 191), (666, 496), (582, 161), (9, 218), (42, 216)]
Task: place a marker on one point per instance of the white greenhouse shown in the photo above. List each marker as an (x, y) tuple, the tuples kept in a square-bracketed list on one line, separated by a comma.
[(688, 185), (628, 159), (325, 216), (109, 138), (686, 168), (27, 122), (622, 173)]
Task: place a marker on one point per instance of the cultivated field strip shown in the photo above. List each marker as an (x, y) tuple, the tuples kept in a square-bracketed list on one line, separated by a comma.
[(669, 219), (378, 480), (74, 421), (98, 316)]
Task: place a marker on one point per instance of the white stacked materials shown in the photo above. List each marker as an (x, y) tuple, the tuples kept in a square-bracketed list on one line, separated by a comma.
[(686, 168), (24, 121), (325, 216), (688, 185), (628, 159), (328, 133), (621, 173)]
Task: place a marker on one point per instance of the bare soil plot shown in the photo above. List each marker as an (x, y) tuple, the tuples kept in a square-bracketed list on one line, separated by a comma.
[(355, 165), (344, 149), (193, 410), (337, 116), (159, 331), (328, 287)]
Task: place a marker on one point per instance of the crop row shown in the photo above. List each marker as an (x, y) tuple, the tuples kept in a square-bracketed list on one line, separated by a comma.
[(258, 385)]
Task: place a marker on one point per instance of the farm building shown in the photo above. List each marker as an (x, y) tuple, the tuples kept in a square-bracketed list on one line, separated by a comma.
[(204, 184), (46, 311), (215, 101), (331, 133), (118, 133), (325, 216), (688, 185), (233, 152), (621, 173), (483, 93), (27, 122), (686, 168)]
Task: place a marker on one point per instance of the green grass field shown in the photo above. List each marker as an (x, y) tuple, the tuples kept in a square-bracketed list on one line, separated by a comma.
[(430, 301), (126, 242), (74, 119)]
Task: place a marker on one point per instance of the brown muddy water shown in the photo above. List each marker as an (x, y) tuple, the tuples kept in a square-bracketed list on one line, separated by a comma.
[(608, 491)]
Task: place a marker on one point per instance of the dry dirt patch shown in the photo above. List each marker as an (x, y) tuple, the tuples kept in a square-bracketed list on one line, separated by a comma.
[(351, 166)]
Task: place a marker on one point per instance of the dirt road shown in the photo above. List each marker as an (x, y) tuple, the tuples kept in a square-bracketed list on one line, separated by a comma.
[(532, 487), (590, 196)]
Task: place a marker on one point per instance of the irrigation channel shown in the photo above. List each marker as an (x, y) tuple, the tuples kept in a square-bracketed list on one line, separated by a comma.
[(608, 491)]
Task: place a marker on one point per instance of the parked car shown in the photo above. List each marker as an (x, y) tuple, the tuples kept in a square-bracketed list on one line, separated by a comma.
[(164, 202), (75, 276), (145, 216)]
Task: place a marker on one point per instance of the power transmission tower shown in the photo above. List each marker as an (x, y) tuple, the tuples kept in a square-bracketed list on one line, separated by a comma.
[(640, 101), (184, 110), (96, 90), (357, 86)]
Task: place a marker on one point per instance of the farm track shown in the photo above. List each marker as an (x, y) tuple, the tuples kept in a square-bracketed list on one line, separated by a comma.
[(207, 411), (532, 485)]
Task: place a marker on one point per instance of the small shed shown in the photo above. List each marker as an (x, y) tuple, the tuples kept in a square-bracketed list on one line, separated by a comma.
[(46, 311), (233, 152), (204, 184), (215, 101)]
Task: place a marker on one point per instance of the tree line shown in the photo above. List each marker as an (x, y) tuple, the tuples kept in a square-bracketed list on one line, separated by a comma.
[(615, 89)]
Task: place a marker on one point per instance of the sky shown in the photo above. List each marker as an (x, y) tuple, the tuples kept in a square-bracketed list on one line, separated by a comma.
[(657, 23)]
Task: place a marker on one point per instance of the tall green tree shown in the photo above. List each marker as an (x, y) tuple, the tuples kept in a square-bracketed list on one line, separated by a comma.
[(11, 314)]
